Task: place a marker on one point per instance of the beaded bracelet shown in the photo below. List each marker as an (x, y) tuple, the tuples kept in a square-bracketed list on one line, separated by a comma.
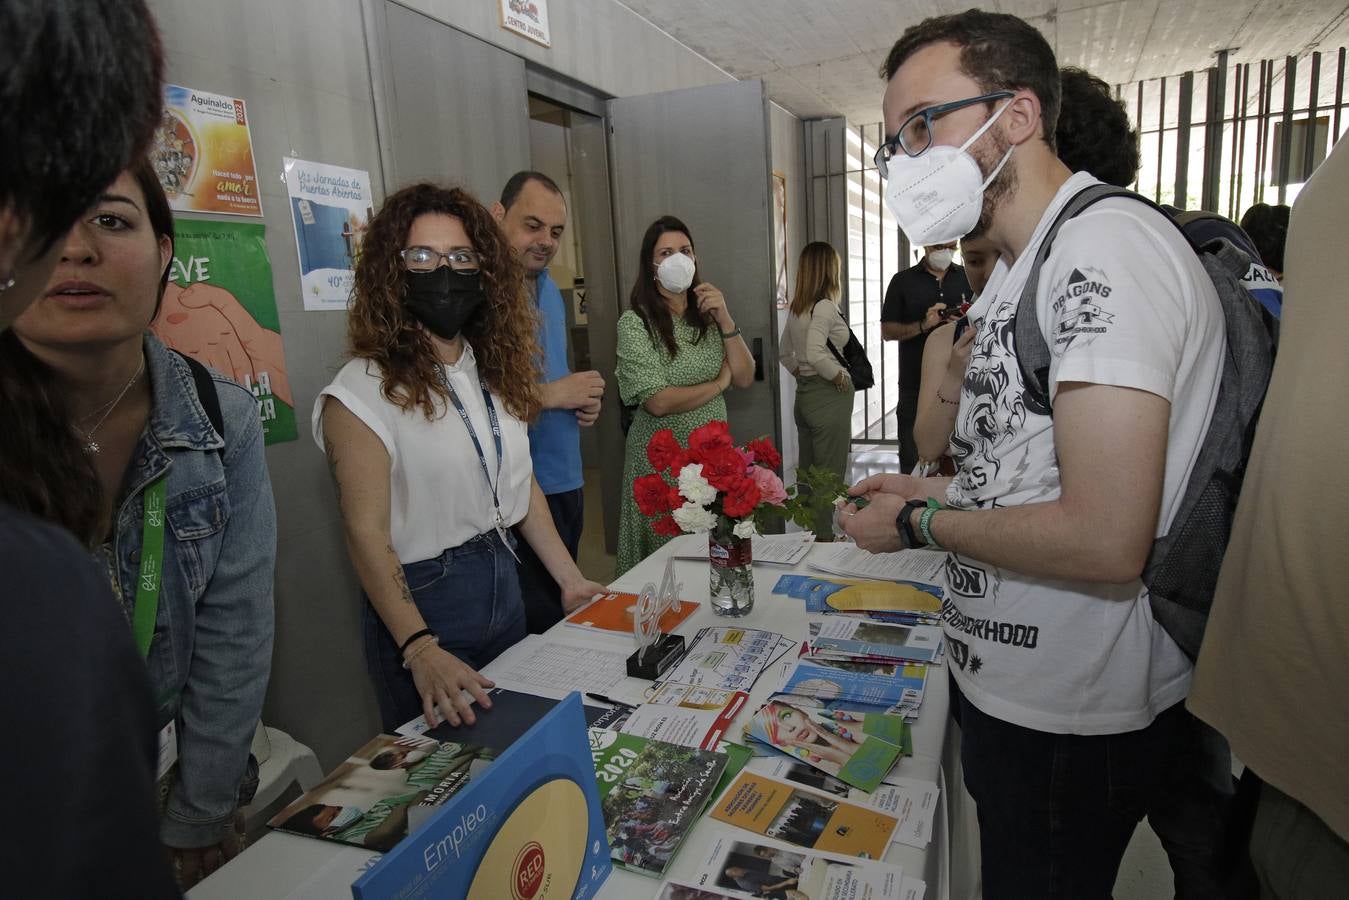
[(419, 650)]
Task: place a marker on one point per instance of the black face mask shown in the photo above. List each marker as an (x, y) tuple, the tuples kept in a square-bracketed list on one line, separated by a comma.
[(443, 300)]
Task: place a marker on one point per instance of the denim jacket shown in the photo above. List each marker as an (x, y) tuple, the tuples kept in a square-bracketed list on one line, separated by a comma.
[(211, 651)]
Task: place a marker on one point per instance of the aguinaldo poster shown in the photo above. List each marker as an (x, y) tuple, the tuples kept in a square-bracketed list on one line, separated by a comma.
[(203, 153), (220, 310)]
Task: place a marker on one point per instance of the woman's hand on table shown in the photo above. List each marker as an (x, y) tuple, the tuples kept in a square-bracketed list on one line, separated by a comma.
[(441, 678), (576, 594)]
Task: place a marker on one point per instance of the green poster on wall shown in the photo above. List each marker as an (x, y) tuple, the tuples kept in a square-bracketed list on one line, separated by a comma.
[(219, 308)]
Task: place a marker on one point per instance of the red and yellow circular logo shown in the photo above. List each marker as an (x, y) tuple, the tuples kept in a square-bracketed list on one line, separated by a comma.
[(527, 875)]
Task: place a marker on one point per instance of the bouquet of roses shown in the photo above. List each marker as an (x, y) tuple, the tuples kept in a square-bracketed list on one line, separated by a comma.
[(714, 485)]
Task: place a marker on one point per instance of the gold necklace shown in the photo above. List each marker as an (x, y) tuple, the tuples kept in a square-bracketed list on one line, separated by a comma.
[(91, 445)]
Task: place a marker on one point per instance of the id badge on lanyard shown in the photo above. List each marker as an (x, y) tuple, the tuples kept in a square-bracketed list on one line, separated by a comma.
[(499, 520), (149, 580)]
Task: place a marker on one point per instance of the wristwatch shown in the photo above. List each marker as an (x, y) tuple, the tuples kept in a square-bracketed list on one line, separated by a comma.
[(909, 538)]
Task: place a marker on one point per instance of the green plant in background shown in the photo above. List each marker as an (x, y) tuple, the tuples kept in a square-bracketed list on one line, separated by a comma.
[(809, 502)]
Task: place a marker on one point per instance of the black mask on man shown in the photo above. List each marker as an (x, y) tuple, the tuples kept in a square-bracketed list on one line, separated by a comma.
[(444, 300)]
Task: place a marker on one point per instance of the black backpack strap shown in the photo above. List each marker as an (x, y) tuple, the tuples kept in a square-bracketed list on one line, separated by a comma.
[(206, 393), (1032, 353)]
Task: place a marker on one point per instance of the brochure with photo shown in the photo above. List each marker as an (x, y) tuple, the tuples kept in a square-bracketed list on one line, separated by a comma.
[(762, 868), (845, 637), (912, 800), (383, 791), (895, 730), (804, 817), (857, 749), (879, 684), (652, 794)]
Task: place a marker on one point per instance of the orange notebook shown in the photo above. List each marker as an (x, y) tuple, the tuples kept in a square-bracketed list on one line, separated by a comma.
[(613, 612)]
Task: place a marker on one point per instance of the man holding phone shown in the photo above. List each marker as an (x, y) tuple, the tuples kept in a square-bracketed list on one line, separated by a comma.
[(918, 300)]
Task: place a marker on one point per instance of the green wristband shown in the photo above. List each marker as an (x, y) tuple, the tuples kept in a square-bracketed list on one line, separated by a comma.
[(925, 526)]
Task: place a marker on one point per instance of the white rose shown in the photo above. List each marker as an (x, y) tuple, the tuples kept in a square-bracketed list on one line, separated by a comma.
[(694, 518), (694, 488), (744, 529)]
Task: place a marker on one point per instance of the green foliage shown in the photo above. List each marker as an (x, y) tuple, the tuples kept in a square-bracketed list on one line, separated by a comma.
[(813, 495)]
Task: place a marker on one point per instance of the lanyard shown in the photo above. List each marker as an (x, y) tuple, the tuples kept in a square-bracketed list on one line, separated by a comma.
[(500, 523), (152, 567)]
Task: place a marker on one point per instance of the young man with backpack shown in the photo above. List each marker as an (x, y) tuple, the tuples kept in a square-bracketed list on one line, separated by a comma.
[(1071, 691)]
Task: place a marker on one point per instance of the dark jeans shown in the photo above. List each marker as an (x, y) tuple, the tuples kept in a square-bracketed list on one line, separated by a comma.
[(1191, 818), (543, 598), (470, 597), (907, 411), (1057, 810)]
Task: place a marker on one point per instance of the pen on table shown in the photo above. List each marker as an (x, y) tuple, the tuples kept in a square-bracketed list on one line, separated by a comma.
[(611, 701)]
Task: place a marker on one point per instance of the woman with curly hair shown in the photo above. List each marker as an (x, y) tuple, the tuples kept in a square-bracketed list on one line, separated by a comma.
[(424, 429)]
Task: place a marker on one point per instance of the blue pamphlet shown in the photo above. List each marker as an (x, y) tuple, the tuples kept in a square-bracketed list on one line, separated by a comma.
[(530, 826)]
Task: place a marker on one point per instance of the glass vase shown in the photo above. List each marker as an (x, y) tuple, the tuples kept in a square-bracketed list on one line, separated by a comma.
[(731, 579)]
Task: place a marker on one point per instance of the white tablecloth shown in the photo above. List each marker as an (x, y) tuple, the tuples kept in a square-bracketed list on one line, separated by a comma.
[(299, 868)]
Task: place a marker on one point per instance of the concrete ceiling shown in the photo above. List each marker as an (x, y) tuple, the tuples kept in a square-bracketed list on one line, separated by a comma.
[(819, 58)]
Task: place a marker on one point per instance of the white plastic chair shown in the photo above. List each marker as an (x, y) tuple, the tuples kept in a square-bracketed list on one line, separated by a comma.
[(282, 761)]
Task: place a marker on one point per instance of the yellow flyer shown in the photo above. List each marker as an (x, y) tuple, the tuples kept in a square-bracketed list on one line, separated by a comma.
[(203, 153), (804, 817)]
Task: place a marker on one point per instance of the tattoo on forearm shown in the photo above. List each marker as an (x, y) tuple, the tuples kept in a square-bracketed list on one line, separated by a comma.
[(400, 579), (331, 453)]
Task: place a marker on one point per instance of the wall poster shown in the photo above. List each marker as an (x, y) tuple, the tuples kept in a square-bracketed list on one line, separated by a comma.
[(219, 309), (203, 153), (330, 207)]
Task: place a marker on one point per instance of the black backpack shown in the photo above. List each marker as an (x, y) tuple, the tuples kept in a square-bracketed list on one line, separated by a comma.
[(1182, 567), (853, 359)]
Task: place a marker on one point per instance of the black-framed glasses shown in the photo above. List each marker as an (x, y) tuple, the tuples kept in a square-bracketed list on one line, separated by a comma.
[(427, 259), (915, 135)]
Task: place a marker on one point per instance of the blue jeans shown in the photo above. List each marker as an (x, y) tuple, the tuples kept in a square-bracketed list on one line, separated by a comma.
[(470, 597), (543, 598), (1056, 811)]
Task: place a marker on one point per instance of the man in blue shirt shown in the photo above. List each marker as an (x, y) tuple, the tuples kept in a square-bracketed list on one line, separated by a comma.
[(533, 214)]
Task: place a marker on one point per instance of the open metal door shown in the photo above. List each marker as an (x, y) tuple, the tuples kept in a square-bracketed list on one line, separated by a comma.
[(703, 155)]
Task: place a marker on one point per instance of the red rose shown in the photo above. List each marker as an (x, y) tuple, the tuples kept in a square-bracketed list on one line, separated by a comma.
[(661, 449), (741, 498), (652, 494), (765, 453), (723, 467), (667, 526), (706, 438)]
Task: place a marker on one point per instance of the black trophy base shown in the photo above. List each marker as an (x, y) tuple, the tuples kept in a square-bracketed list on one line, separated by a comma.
[(659, 657)]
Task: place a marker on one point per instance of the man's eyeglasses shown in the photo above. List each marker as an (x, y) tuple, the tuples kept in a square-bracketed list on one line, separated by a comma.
[(915, 135), (425, 259)]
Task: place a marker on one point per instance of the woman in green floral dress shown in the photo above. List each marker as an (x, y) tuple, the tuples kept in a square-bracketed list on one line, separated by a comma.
[(678, 351)]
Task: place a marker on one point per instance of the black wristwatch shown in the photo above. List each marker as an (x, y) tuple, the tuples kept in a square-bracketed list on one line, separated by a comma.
[(909, 538)]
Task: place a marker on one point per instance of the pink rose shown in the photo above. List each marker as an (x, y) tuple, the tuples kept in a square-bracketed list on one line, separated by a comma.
[(770, 486)]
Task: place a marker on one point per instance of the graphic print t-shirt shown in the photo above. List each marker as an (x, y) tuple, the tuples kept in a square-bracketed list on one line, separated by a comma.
[(1122, 301)]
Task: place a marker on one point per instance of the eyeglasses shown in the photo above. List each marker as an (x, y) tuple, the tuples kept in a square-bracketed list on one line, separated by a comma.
[(915, 135), (425, 259)]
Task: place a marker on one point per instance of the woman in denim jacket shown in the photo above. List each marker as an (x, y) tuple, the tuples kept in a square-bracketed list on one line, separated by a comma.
[(135, 405)]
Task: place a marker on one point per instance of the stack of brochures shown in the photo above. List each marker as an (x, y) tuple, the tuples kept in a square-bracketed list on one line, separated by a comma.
[(871, 666)]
